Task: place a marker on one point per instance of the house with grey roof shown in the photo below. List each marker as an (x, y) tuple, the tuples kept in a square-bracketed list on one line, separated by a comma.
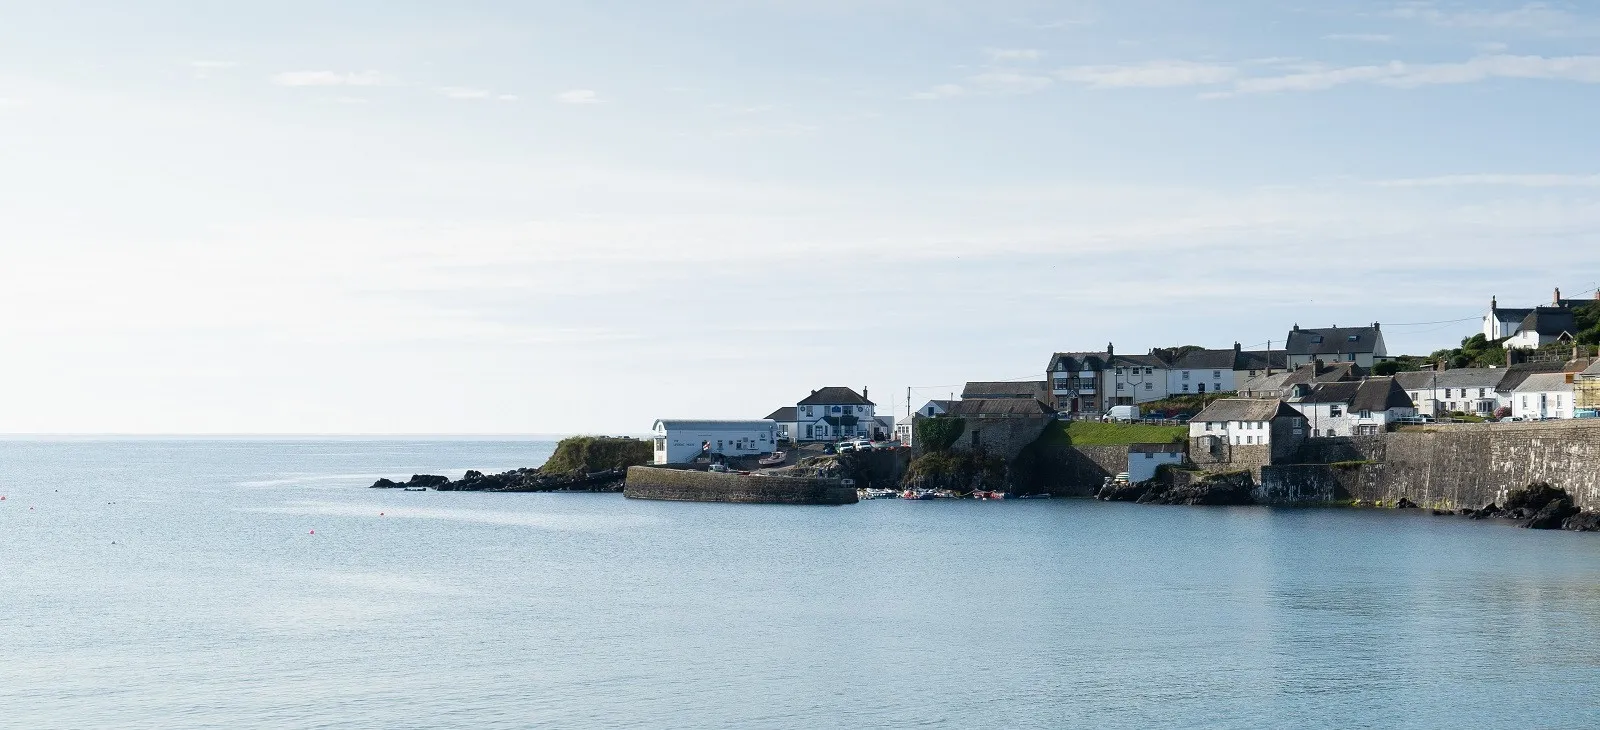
[(1299, 380), (1526, 328), (1465, 390), (1354, 408), (1255, 363), (832, 413), (1360, 345), (1203, 371), (1024, 390), (787, 420), (1544, 396), (1249, 431)]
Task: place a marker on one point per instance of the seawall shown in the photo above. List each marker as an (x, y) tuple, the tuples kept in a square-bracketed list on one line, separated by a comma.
[(677, 485)]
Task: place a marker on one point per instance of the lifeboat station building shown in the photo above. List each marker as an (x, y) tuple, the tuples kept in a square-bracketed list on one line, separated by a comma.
[(681, 441)]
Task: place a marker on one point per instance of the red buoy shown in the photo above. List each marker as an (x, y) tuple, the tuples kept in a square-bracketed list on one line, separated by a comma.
[(313, 532)]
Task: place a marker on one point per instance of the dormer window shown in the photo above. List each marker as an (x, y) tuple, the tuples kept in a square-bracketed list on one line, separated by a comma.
[(1316, 339), (1354, 338)]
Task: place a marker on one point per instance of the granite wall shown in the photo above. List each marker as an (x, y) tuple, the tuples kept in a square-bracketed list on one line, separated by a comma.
[(645, 482), (1470, 465), (1079, 471)]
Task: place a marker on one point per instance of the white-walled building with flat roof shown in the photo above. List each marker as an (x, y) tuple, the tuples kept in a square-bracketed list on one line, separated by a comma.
[(682, 441)]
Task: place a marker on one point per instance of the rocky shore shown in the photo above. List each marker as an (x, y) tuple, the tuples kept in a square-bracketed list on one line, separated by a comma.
[(1218, 490), (579, 464)]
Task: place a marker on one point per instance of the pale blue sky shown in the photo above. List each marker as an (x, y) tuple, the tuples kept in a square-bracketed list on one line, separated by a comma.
[(522, 217)]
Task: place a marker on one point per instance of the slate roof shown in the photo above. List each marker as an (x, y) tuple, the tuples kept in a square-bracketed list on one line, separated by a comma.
[(1280, 384), (1245, 409), (1207, 360), (999, 407), (1459, 378), (1545, 383), (1155, 448), (786, 414), (1143, 361), (1549, 321), (1512, 315), (1372, 394), (836, 396), (981, 389), (1075, 361), (1522, 371), (1334, 341), (676, 424), (1262, 360), (1593, 371)]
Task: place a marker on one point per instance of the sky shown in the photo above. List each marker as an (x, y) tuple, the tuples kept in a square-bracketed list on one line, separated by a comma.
[(489, 216)]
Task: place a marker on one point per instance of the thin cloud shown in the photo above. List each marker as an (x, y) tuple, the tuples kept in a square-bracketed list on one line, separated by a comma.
[(1153, 74), (1360, 37), (1532, 16), (578, 96), (1014, 54), (942, 91), (467, 93), (1503, 180), (330, 78), (1577, 69)]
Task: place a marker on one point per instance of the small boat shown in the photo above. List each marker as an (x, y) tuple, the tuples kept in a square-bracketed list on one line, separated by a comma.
[(987, 495), (918, 494), (416, 489), (775, 459)]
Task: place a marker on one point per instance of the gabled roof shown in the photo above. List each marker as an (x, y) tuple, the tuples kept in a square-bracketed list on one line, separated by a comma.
[(1333, 341), (1262, 360), (1075, 361), (1593, 371), (1545, 383), (1206, 360), (991, 407), (1512, 315), (786, 414), (835, 395), (1459, 378), (1522, 371), (1245, 409), (1143, 361), (676, 424), (1549, 321), (1372, 394), (982, 389)]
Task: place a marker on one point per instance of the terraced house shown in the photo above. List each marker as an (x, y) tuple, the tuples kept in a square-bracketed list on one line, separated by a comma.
[(1466, 390), (1360, 345)]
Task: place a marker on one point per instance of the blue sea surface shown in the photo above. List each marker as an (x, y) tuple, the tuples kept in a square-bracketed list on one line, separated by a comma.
[(246, 584)]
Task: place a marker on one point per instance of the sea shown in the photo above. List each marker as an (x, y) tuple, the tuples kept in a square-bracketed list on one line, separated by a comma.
[(236, 583)]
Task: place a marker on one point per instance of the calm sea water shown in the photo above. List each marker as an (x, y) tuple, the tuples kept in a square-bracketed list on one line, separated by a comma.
[(169, 584)]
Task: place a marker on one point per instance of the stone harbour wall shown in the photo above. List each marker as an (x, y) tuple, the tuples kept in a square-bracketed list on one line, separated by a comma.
[(1470, 465), (645, 482), (1080, 471)]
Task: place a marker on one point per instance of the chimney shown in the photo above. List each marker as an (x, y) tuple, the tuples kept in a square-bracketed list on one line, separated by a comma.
[(1297, 326), (1494, 303), (1110, 351), (1444, 364), (1375, 326), (1316, 366), (864, 393), (1558, 296)]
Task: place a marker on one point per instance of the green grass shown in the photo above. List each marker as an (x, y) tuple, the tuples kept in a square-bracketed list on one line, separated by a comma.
[(598, 453), (1093, 433)]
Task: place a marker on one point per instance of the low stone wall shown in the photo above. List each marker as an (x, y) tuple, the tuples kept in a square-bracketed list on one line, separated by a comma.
[(694, 486), (1345, 448)]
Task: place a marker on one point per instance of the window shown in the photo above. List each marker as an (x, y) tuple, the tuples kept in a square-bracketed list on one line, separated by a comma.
[(1524, 401), (1119, 386), (1149, 455), (1366, 414), (1335, 411), (1208, 425), (1447, 393), (1186, 375), (1353, 338), (661, 443), (1149, 371), (1061, 384), (1316, 339), (811, 430), (1483, 392), (1350, 357), (1215, 374), (1250, 440), (1119, 371), (1185, 387), (1149, 386), (1558, 400), (810, 412)]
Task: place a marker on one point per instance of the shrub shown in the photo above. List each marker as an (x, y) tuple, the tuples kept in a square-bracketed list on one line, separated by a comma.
[(935, 435)]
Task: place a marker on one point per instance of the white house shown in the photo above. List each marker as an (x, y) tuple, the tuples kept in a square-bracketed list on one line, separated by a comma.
[(1144, 459), (787, 422), (905, 429), (1136, 379), (1467, 390), (834, 413), (1360, 345), (681, 441), (1542, 396), (1246, 421), (1532, 327), (1203, 371), (1363, 408)]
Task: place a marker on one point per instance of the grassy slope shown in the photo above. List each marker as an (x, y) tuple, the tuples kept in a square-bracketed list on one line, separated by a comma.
[(1091, 433), (598, 453)]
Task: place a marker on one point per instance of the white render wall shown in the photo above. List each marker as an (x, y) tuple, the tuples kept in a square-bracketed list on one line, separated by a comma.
[(1542, 404), (1143, 384), (1320, 418), (680, 446), (1180, 382), (820, 430), (1142, 467), (1238, 433)]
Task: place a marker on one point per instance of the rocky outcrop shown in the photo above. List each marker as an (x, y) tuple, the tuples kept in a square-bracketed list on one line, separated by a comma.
[(1217, 490), (1540, 507), (1583, 522), (516, 480)]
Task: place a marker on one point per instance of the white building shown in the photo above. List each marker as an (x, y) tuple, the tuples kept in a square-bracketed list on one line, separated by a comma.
[(1246, 421), (1203, 371), (834, 413), (1136, 379), (788, 423), (905, 429), (1363, 408), (680, 442), (1543, 396), (1360, 345), (1526, 328), (1466, 390), (1144, 459)]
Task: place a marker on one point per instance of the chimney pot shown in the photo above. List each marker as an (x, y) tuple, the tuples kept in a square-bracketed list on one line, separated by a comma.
[(1558, 296)]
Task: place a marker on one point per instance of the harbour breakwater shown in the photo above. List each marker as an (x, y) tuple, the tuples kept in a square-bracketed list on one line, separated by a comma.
[(684, 485)]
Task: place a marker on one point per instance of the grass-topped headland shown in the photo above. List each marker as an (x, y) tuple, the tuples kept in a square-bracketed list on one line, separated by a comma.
[(598, 453)]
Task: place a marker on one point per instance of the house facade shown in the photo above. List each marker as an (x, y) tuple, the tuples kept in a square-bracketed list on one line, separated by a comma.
[(1544, 396), (833, 413), (1203, 371), (1288, 384), (1360, 345), (682, 441), (1363, 408), (1245, 432), (1145, 459), (1078, 383), (785, 421), (1467, 390), (1526, 328), (1586, 392)]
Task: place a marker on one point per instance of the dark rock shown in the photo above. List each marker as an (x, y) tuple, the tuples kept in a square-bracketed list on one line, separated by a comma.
[(1443, 513), (1489, 511), (1551, 516), (1535, 497), (427, 480), (1465, 511), (1405, 504), (1583, 522), (1122, 493), (386, 484), (1520, 513)]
